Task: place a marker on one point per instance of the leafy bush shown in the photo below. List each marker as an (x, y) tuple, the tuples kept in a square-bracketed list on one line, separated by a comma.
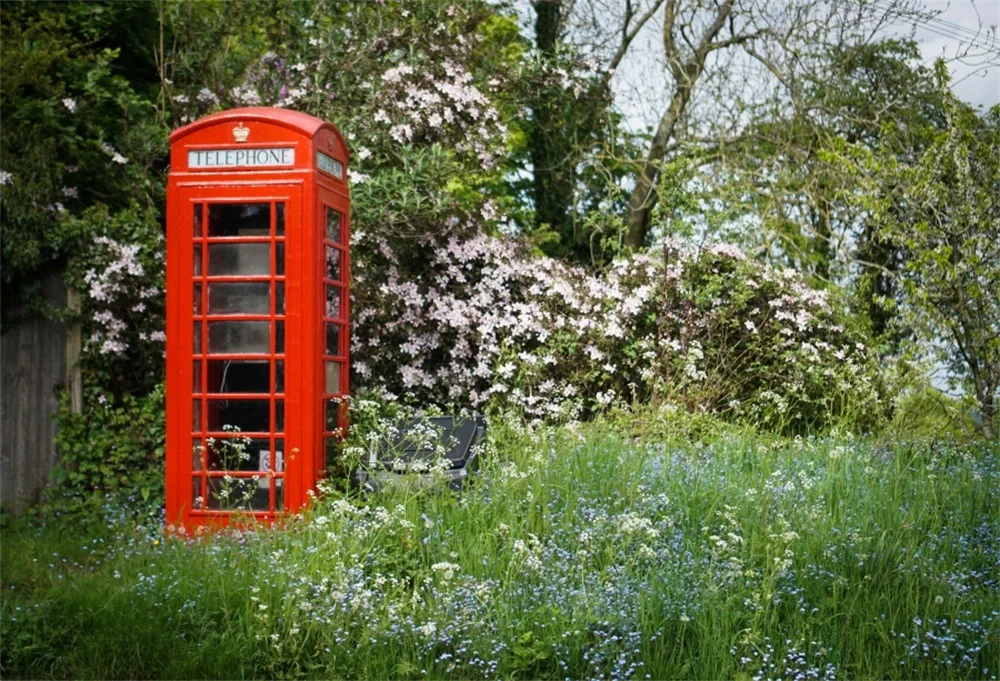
[(925, 411), (115, 449), (78, 129), (758, 343)]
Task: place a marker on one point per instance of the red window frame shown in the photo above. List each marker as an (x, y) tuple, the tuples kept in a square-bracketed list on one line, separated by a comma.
[(198, 320)]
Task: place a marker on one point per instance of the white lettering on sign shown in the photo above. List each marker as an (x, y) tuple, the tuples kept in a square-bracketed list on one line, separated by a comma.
[(330, 165), (241, 158)]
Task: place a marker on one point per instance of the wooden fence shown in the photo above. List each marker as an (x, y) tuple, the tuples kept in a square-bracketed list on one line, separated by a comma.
[(38, 362)]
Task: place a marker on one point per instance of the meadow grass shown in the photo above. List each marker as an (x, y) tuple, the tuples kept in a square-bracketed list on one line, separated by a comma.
[(604, 551)]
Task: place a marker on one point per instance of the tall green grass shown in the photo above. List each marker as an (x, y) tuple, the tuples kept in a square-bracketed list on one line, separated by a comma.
[(600, 551)]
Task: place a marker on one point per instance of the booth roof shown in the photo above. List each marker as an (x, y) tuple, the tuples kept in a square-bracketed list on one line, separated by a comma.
[(293, 120)]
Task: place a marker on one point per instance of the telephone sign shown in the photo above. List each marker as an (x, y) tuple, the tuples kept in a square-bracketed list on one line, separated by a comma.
[(241, 158)]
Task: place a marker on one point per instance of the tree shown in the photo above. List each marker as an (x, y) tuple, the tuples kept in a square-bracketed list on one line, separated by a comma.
[(578, 47), (942, 209), (552, 149), (781, 179), (742, 57), (76, 94)]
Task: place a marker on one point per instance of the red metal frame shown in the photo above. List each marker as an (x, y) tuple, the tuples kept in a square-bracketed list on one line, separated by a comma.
[(306, 193)]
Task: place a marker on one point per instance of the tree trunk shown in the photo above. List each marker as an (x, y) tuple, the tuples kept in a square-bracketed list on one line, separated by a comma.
[(989, 412), (552, 182), (878, 263), (686, 72), (643, 197)]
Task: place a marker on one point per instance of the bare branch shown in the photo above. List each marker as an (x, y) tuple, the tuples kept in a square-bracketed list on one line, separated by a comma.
[(629, 35)]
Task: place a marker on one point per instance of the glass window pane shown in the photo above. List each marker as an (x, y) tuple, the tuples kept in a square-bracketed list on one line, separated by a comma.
[(279, 416), (279, 297), (333, 302), (239, 298), (239, 494), (197, 220), (279, 258), (239, 219), (332, 420), (279, 338), (197, 452), (196, 416), (246, 416), (279, 455), (196, 376), (333, 225), (236, 453), (332, 263), (279, 220), (239, 337), (196, 260), (197, 500), (279, 376), (279, 497), (196, 298), (333, 339), (333, 377), (196, 338), (238, 376), (244, 259)]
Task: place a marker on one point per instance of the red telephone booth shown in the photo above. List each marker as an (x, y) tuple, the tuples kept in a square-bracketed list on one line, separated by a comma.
[(257, 313)]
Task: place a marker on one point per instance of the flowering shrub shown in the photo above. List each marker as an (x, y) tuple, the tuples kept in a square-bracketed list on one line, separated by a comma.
[(114, 447), (478, 321), (428, 80), (759, 343), (120, 277)]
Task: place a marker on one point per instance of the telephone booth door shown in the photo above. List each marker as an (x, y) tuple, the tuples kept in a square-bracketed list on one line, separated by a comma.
[(241, 280)]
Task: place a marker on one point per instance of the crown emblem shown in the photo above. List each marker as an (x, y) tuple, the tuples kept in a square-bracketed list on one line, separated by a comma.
[(241, 132)]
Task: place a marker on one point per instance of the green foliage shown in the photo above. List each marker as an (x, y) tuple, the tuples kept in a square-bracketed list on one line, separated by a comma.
[(941, 209), (926, 412), (79, 128), (673, 426), (777, 188), (210, 44), (952, 233), (111, 452)]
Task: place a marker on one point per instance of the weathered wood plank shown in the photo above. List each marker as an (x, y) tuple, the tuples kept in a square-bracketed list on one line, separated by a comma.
[(33, 372)]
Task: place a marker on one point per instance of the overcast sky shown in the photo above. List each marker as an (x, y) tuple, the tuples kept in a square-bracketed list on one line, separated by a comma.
[(977, 78)]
